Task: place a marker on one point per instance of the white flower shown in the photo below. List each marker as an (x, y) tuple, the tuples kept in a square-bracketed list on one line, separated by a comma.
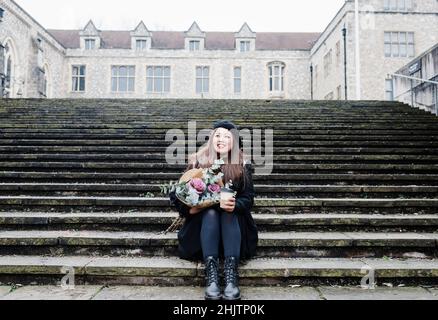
[(193, 198)]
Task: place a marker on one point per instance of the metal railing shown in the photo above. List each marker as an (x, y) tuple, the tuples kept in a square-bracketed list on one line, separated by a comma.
[(417, 92)]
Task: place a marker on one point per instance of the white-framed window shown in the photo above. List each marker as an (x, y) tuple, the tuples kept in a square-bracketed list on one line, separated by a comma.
[(397, 5), (141, 44), (237, 79), (276, 76), (194, 45), (245, 46), (327, 63), (202, 79), (389, 90), (399, 44), (78, 78), (158, 79), (90, 44), (122, 78)]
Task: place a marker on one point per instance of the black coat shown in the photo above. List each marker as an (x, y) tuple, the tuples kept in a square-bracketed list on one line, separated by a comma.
[(189, 236)]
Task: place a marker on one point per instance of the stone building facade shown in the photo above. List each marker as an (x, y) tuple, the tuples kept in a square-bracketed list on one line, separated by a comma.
[(391, 33), (90, 63)]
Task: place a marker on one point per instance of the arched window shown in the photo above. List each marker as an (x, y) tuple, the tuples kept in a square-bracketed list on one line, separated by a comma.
[(276, 76)]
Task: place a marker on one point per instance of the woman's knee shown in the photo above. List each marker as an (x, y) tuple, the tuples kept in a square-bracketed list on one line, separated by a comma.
[(211, 215)]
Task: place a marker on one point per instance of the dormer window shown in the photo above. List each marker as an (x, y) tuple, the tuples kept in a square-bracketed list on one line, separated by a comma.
[(245, 39), (194, 38), (194, 45), (141, 45), (245, 46), (90, 44), (141, 38), (90, 37)]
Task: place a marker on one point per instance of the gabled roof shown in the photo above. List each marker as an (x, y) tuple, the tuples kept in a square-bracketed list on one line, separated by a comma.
[(245, 32), (194, 31), (90, 30), (141, 31), (175, 40)]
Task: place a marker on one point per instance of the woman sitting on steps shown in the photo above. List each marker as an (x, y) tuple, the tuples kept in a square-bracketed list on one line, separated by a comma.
[(227, 229)]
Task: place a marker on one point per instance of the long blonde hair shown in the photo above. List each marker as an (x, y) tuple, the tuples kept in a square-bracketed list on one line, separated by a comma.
[(206, 155)]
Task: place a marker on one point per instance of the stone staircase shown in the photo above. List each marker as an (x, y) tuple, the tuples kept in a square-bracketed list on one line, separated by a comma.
[(354, 188)]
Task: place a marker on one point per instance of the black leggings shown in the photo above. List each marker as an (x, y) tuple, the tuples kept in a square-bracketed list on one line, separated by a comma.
[(214, 222)]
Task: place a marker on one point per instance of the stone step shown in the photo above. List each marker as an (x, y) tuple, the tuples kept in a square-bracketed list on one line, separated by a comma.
[(168, 126), (146, 132), (261, 205), (80, 122), (402, 143), (97, 138), (157, 149), (120, 167), (159, 221), (274, 202), (157, 157), (176, 272), (270, 244), (164, 178), (263, 190)]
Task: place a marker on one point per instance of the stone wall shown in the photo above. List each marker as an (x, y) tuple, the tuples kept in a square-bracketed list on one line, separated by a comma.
[(21, 32)]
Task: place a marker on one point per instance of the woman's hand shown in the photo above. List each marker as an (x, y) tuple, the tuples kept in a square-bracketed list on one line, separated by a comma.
[(195, 210), (229, 204)]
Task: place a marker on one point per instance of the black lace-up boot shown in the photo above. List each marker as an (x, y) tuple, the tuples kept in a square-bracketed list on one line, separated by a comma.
[(212, 290), (231, 275)]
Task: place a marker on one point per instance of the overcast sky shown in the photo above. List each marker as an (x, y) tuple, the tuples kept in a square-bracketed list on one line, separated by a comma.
[(178, 15)]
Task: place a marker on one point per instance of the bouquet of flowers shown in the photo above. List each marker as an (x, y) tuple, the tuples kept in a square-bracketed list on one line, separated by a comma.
[(200, 188)]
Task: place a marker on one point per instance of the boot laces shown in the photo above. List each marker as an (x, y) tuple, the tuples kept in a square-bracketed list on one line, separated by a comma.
[(230, 271), (211, 271)]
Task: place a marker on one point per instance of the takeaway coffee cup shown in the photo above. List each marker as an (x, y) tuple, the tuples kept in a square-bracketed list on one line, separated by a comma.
[(226, 194)]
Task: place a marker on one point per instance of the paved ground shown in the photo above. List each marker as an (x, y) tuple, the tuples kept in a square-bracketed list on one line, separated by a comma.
[(196, 293)]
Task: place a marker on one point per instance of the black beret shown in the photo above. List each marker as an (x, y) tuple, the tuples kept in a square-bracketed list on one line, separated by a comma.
[(225, 124)]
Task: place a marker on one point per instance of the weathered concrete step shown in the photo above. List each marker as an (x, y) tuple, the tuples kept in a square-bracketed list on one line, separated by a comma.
[(280, 137), (160, 221), (146, 132), (162, 143), (156, 157), (56, 219), (266, 239), (124, 122), (266, 179), (268, 202), (118, 167), (424, 127), (99, 189), (278, 150), (24, 138), (176, 272)]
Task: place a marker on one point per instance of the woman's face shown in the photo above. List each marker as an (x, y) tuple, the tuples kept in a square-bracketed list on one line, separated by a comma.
[(222, 140)]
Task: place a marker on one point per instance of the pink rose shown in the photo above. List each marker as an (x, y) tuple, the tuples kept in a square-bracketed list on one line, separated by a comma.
[(214, 188), (198, 185)]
